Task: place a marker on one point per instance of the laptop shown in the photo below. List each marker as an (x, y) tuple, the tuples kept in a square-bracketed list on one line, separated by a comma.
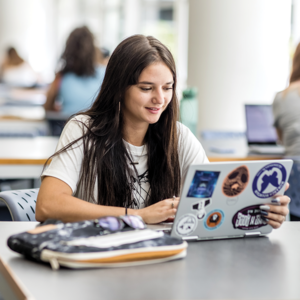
[(222, 200), (260, 133)]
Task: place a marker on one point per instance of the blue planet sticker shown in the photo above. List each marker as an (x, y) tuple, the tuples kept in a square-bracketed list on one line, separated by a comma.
[(214, 219), (269, 180)]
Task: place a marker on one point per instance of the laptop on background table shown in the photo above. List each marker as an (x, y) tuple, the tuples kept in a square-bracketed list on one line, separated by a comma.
[(222, 200), (260, 133)]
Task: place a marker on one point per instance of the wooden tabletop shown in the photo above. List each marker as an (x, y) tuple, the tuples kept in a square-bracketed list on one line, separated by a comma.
[(26, 151), (35, 151), (236, 149)]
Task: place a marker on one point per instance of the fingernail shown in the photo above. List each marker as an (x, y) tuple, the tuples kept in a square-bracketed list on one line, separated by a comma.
[(275, 200), (264, 213), (265, 219), (264, 207)]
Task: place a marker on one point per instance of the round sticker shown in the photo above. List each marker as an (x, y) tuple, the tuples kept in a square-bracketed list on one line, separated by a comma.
[(214, 219), (186, 224), (269, 180), (235, 182)]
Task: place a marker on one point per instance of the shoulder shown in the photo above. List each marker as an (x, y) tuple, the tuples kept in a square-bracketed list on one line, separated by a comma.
[(184, 133), (190, 150), (291, 92), (279, 96), (188, 144), (181, 128), (80, 120), (75, 127)]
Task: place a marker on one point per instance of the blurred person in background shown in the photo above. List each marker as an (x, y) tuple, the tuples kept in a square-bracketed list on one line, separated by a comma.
[(14, 71), (76, 85), (286, 110), (103, 56)]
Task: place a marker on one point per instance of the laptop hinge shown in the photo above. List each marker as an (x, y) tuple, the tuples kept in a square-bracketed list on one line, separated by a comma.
[(252, 234), (186, 238)]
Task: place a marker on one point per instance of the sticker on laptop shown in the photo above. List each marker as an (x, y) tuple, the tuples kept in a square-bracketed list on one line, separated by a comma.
[(203, 184), (214, 219), (235, 182), (186, 224), (248, 218), (269, 180), (232, 201), (199, 208)]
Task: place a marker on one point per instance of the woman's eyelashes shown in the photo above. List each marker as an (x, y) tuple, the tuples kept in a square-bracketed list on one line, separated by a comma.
[(150, 88), (146, 88)]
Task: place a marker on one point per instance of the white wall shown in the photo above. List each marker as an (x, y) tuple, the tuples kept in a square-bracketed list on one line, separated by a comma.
[(238, 53), (27, 25)]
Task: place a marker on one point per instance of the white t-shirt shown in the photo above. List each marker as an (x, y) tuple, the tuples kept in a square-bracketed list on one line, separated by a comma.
[(66, 166)]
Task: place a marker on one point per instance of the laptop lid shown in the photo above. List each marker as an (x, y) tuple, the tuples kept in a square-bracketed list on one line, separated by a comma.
[(259, 125), (222, 200)]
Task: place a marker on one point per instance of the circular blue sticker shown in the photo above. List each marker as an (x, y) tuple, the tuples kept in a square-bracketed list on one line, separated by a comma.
[(269, 180), (214, 219)]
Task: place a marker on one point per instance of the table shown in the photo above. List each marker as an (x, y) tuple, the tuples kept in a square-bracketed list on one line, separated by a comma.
[(239, 147), (251, 268), (22, 96), (21, 112), (25, 157)]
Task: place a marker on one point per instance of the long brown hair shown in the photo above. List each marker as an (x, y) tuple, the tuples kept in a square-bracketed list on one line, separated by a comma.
[(79, 54), (13, 58), (105, 158), (295, 75)]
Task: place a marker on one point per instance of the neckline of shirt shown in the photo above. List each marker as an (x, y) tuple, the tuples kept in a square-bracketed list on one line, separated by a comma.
[(136, 150)]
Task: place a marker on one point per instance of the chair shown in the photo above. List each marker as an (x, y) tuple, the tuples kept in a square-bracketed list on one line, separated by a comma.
[(56, 122), (20, 203), (294, 190)]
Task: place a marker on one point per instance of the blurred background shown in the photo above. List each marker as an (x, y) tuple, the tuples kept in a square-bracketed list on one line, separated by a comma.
[(228, 53), (232, 51)]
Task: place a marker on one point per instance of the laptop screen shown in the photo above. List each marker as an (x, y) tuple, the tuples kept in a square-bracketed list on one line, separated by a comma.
[(259, 121)]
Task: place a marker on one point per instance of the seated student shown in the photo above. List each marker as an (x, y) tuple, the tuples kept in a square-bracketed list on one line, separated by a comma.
[(14, 71), (78, 82), (286, 110), (128, 150)]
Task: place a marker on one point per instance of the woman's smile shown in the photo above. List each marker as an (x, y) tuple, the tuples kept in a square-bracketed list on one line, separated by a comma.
[(154, 110)]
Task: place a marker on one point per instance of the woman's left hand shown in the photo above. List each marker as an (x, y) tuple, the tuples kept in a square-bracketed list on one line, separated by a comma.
[(275, 214)]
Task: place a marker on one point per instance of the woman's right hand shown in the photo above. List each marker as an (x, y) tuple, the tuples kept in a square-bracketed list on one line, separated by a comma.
[(159, 211)]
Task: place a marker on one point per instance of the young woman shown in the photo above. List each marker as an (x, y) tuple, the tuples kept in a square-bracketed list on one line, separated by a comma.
[(15, 71), (286, 110), (128, 150), (78, 82)]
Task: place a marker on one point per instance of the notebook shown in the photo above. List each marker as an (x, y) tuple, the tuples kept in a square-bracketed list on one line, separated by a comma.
[(222, 200), (260, 133)]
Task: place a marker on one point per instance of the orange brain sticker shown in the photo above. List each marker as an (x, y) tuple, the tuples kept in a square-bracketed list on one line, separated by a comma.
[(235, 182)]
